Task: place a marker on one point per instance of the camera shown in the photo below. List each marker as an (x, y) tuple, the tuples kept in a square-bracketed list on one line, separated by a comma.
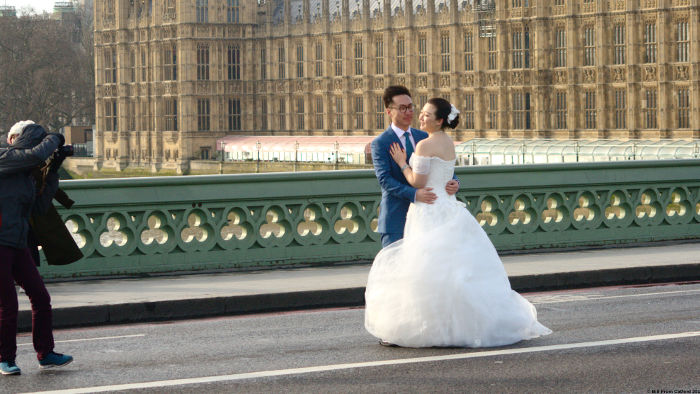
[(59, 155), (65, 151)]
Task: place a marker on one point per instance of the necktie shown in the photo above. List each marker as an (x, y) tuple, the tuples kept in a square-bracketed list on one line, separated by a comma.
[(409, 145)]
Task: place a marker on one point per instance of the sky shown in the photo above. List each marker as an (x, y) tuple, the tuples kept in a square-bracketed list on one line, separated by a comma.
[(39, 5)]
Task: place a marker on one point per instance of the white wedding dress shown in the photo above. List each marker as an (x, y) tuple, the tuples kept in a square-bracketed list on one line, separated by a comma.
[(443, 284)]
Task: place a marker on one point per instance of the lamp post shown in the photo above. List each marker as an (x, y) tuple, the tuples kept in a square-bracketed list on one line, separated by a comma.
[(257, 146), (223, 155), (336, 146), (296, 154)]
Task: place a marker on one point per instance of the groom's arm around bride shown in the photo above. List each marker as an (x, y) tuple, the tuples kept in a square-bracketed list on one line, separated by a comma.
[(397, 194)]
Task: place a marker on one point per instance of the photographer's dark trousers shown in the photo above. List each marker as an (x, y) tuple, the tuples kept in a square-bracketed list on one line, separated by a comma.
[(17, 265)]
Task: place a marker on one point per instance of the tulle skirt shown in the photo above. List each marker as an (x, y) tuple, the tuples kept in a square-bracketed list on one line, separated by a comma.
[(443, 284)]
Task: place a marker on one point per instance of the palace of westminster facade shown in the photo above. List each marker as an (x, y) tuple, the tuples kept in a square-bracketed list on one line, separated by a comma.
[(172, 76)]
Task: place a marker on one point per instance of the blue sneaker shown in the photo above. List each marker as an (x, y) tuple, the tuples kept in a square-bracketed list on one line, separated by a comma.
[(9, 368), (55, 360)]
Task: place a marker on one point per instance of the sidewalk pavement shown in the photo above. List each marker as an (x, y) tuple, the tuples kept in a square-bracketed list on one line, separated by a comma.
[(157, 298)]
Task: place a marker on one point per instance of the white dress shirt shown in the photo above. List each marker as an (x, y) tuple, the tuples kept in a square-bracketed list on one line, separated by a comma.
[(399, 133)]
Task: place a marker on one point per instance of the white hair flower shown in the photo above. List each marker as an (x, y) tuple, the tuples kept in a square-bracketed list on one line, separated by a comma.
[(453, 114)]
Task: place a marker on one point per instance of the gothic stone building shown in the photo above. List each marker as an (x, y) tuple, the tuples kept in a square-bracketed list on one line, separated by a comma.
[(172, 76)]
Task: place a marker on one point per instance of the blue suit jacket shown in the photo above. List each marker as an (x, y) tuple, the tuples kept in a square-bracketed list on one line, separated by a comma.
[(397, 194)]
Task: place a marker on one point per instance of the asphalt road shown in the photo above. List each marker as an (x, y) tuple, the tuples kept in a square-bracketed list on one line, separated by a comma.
[(622, 339)]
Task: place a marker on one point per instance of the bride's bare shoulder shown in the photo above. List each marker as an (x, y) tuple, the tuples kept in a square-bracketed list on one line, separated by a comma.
[(425, 147)]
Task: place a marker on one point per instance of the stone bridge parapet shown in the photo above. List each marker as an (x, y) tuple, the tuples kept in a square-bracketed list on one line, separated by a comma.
[(250, 221)]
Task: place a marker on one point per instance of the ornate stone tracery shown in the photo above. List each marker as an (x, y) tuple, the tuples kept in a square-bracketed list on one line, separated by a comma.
[(374, 50)]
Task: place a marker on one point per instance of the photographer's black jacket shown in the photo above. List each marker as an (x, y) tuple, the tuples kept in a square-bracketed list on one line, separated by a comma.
[(17, 186)]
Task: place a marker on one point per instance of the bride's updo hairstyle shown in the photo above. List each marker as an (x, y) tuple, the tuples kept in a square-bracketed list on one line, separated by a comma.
[(443, 111)]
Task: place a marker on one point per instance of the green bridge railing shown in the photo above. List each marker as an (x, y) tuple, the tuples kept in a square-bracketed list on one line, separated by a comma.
[(165, 224)]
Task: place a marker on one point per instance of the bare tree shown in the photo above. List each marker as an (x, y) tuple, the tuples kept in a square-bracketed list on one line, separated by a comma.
[(46, 71)]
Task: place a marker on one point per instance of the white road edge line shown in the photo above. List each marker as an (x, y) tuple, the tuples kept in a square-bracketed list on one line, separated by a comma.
[(594, 298), (90, 339), (334, 367)]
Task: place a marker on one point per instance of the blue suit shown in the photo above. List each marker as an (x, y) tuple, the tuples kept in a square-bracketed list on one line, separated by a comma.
[(397, 194)]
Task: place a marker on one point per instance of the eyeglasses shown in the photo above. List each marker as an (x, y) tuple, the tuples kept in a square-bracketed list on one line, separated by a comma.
[(404, 108)]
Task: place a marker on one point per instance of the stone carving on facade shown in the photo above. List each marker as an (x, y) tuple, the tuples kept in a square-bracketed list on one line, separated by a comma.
[(170, 88), (202, 31), (357, 84), (588, 8), (494, 79), (648, 3), (517, 78), (589, 75), (444, 81), (619, 74), (401, 80), (682, 73), (233, 87), (680, 17), (649, 73), (201, 87), (422, 82), (337, 84), (378, 83), (560, 77), (299, 86), (317, 85), (618, 5), (468, 80), (680, 3)]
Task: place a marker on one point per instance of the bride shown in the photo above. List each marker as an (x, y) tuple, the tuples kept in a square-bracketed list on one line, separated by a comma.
[(443, 284)]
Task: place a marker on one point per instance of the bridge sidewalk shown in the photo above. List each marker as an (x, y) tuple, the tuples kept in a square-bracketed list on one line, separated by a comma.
[(112, 301)]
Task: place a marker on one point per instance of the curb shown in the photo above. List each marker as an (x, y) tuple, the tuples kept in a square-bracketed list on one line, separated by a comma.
[(349, 297)]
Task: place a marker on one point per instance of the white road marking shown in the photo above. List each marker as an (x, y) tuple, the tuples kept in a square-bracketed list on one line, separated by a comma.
[(91, 339), (556, 298), (335, 367)]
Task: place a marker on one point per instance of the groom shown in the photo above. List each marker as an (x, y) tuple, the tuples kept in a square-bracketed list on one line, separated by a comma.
[(397, 194)]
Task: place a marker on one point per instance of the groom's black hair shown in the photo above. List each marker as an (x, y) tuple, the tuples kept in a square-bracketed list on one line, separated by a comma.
[(394, 90)]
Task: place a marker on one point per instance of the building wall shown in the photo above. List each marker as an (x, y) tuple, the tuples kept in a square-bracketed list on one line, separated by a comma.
[(77, 134), (584, 94)]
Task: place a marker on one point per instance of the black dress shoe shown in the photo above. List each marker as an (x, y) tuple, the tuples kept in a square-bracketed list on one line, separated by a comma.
[(387, 344)]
